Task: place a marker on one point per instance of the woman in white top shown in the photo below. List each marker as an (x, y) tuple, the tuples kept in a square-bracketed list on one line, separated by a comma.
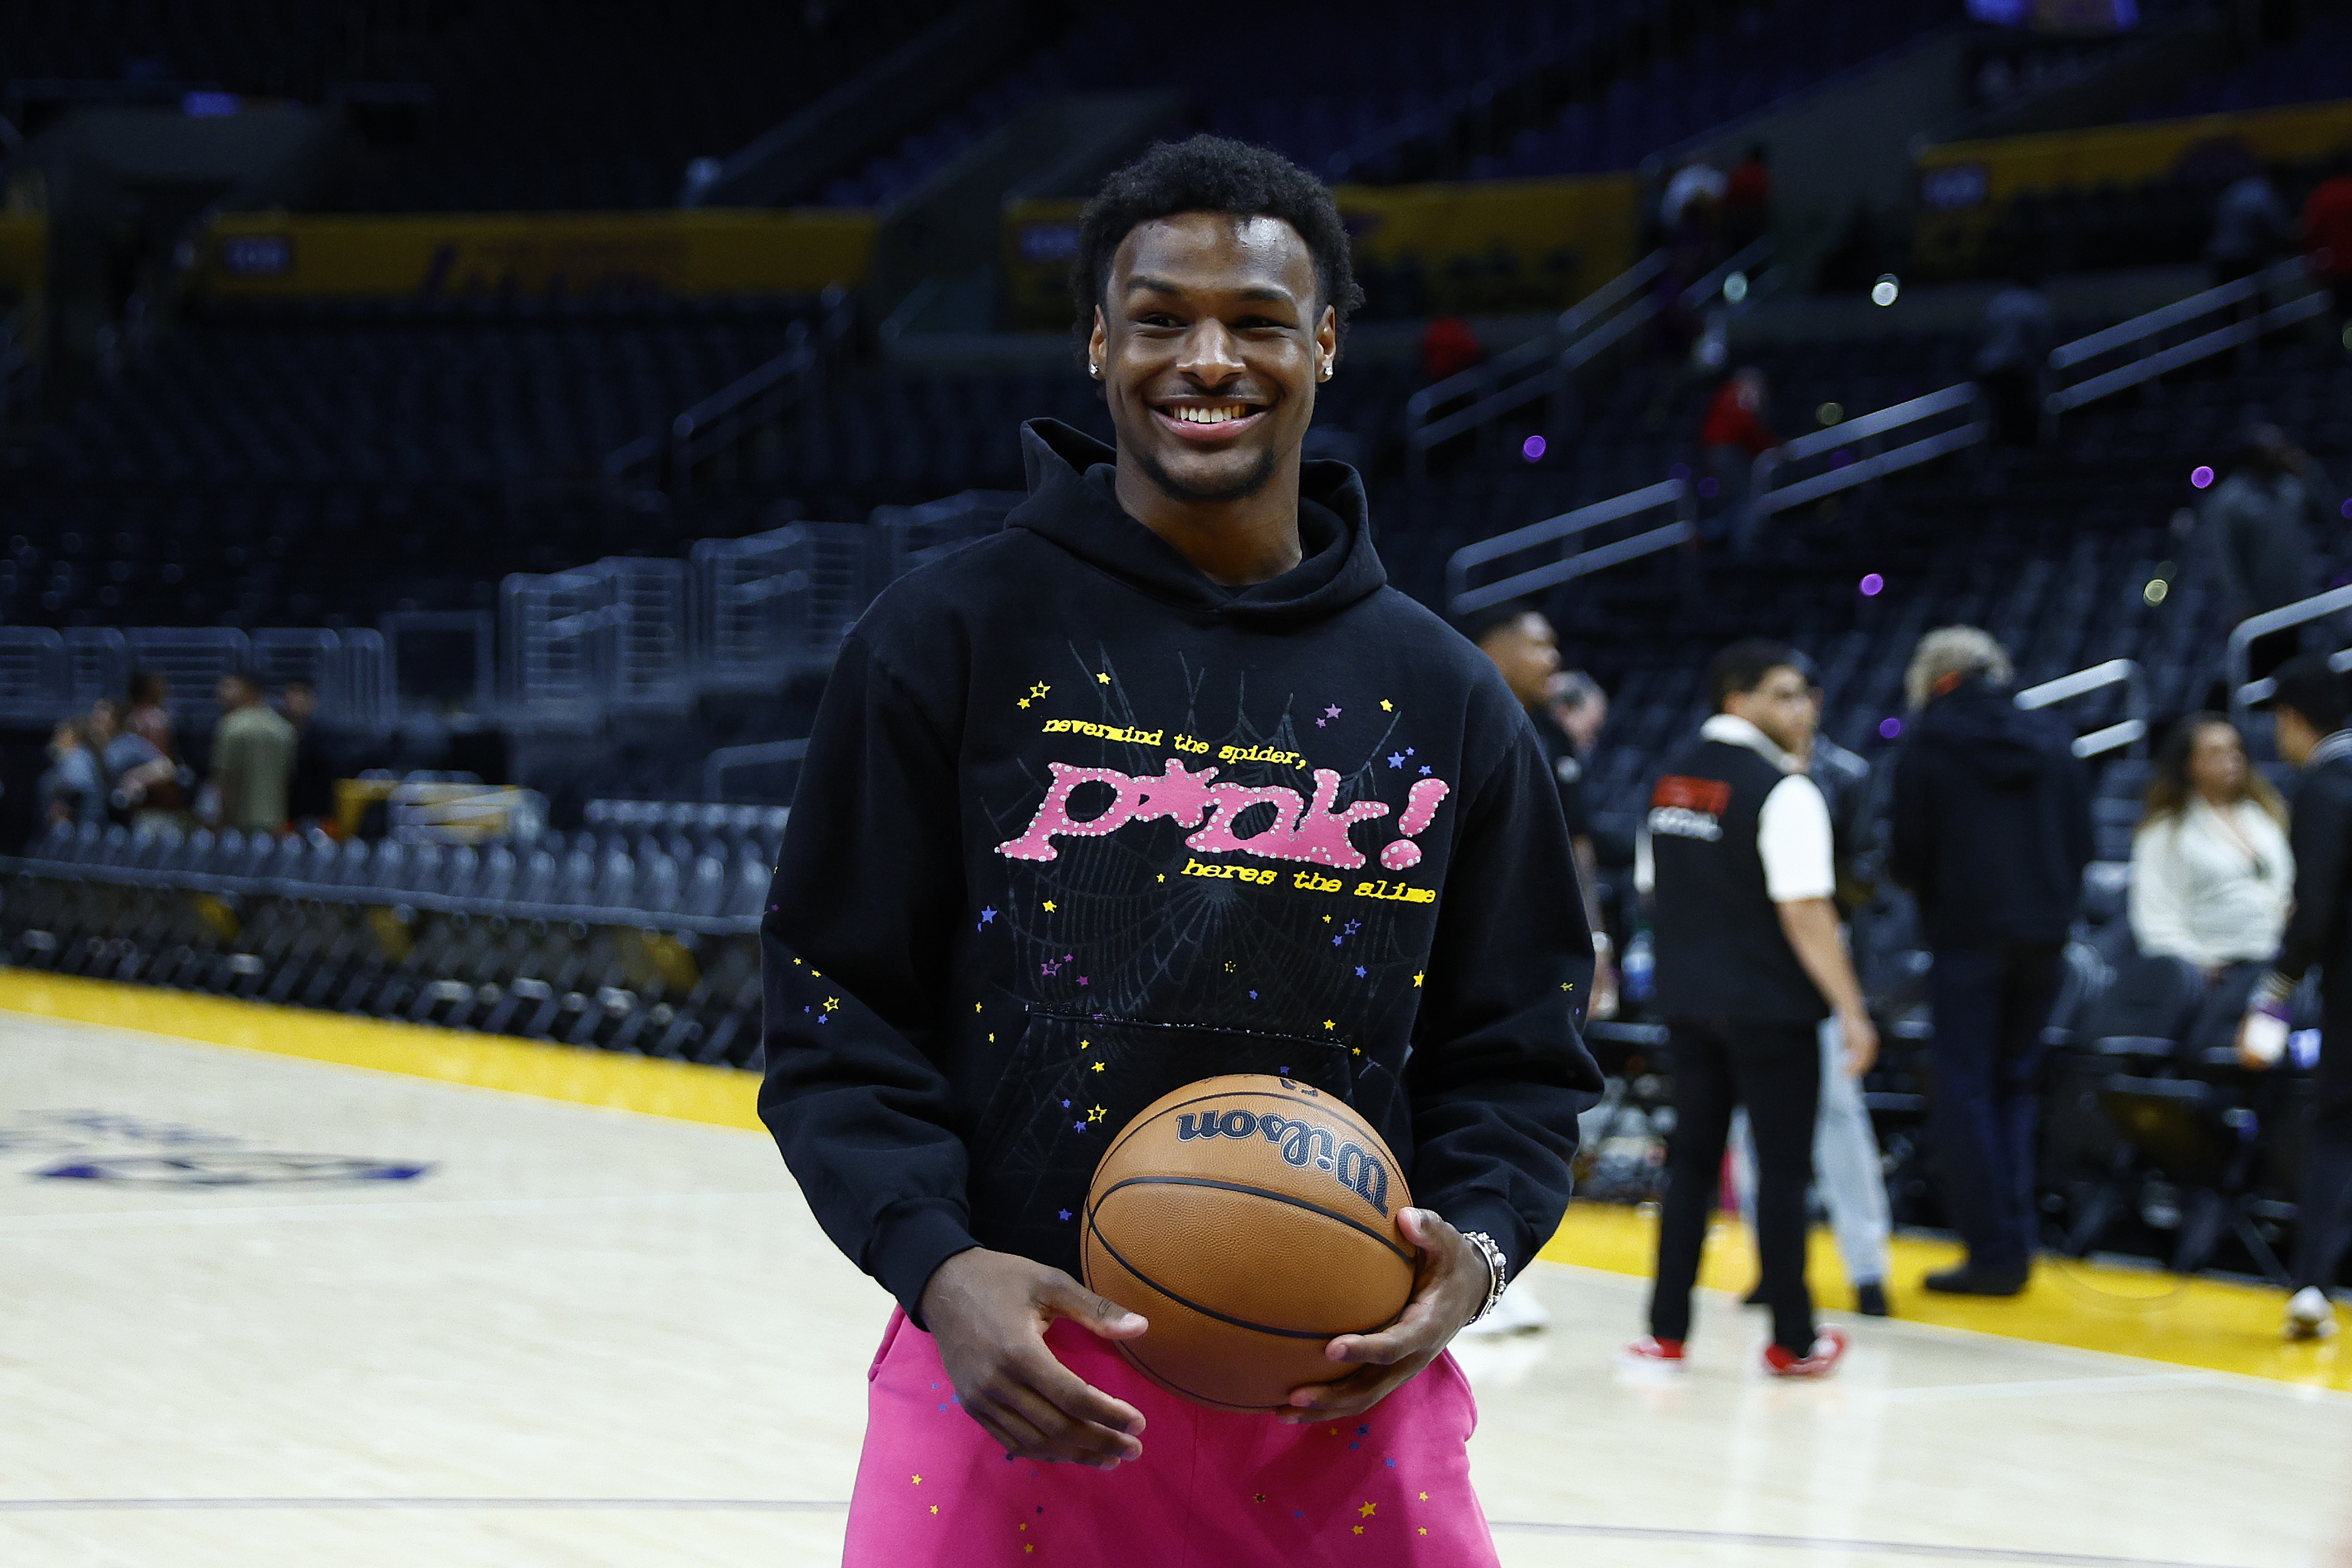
[(2211, 875)]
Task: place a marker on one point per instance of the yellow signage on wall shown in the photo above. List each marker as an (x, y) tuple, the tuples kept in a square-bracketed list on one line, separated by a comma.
[(681, 252), (1487, 245), (1965, 186)]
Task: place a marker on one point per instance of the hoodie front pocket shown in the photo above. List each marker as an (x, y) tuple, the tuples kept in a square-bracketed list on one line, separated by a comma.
[(1073, 1083)]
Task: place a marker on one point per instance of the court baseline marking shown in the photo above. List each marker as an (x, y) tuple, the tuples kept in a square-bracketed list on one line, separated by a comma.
[(817, 1505)]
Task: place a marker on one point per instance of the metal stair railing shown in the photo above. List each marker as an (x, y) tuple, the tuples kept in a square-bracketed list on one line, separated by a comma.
[(2236, 658), (2140, 336), (555, 639), (1876, 460), (2130, 732), (713, 432), (1671, 496), (1545, 366), (192, 659), (36, 683)]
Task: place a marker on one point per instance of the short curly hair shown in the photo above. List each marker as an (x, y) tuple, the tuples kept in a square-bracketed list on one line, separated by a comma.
[(1213, 174)]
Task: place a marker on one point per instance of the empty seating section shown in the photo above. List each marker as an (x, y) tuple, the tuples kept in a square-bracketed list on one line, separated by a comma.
[(1760, 56), (2310, 68), (496, 105), (638, 932)]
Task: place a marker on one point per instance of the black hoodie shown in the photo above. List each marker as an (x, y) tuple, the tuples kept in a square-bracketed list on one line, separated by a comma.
[(1078, 827), (1991, 821)]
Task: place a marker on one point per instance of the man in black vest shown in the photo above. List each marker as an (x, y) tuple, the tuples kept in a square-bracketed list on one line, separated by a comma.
[(2314, 734), (1750, 961)]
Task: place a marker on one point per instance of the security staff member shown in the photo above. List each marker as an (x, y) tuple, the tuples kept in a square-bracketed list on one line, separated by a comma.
[(1749, 959), (2314, 736)]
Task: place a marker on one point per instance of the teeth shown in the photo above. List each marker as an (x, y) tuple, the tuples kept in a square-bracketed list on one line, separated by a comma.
[(1191, 415)]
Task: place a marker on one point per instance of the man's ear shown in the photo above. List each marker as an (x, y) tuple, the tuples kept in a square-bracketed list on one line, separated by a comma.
[(1327, 344), (1097, 346)]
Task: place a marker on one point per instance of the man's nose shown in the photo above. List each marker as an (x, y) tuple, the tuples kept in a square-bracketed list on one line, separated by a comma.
[(1210, 354)]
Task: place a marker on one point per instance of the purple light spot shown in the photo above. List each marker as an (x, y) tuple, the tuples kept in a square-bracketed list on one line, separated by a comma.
[(1532, 449), (2345, 508), (1872, 585), (2200, 476), (1679, 471), (1709, 487), (1253, 995), (1889, 728), (1841, 458)]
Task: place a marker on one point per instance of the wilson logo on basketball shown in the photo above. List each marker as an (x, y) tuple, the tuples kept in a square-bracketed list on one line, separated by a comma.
[(1355, 1167)]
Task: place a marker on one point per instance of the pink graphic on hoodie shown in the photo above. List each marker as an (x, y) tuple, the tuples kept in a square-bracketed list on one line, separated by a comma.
[(1301, 829)]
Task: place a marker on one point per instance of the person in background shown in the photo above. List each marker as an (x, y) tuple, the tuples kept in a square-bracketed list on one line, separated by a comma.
[(2018, 328), (2254, 536), (1731, 436), (73, 790), (2328, 236), (2252, 226), (2309, 708), (1747, 199), (1580, 709), (145, 787), (1847, 1169), (148, 717), (1523, 645), (2211, 871), (253, 758), (1738, 847), (149, 714), (310, 789), (1990, 830)]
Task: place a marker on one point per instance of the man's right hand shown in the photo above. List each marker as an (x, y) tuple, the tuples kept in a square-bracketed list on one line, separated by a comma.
[(989, 1311), (1860, 1040)]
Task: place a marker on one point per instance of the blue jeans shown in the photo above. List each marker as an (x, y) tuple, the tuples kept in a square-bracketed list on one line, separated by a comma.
[(1991, 1004)]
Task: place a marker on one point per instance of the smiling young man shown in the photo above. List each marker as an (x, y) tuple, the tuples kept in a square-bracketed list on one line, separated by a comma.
[(1006, 919)]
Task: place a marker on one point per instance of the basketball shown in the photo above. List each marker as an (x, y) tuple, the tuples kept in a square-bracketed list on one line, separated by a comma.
[(1251, 1219)]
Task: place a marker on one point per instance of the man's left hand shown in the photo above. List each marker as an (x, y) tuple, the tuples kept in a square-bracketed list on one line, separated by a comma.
[(1449, 1284)]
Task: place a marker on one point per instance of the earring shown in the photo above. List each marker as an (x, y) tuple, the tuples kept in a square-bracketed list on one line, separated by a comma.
[(1095, 370)]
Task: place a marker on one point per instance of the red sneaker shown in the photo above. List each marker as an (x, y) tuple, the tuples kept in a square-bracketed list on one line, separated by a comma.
[(1651, 1351), (1828, 1349)]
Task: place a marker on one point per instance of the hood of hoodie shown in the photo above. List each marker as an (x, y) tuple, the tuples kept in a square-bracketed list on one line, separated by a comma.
[(1984, 729), (1072, 501)]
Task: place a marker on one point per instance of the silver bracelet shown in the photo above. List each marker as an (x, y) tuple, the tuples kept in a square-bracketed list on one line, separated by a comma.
[(1493, 1254)]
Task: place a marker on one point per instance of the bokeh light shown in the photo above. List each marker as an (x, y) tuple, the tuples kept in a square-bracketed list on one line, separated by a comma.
[(1886, 290), (1679, 471), (1829, 413), (1872, 582), (1735, 288), (1889, 728), (2345, 508), (1708, 487), (2200, 476), (2155, 590), (1532, 449)]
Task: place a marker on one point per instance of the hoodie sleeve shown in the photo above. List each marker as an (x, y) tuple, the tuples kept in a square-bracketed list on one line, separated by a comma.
[(853, 950), (1498, 1075)]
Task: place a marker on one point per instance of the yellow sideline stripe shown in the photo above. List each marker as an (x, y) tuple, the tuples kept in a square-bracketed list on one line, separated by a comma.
[(2209, 1323), (722, 1096)]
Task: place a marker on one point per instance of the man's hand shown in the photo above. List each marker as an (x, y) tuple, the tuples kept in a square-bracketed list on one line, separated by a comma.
[(1860, 1040), (989, 1311), (1449, 1284)]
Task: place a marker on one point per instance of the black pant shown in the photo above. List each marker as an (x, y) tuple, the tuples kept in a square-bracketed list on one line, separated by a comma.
[(2324, 1217), (1775, 1070), (1991, 1004)]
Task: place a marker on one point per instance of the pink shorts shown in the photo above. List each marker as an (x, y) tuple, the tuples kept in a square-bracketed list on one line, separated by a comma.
[(1390, 1489)]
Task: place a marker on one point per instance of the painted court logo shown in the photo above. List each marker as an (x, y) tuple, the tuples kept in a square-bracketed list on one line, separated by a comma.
[(1356, 1168)]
